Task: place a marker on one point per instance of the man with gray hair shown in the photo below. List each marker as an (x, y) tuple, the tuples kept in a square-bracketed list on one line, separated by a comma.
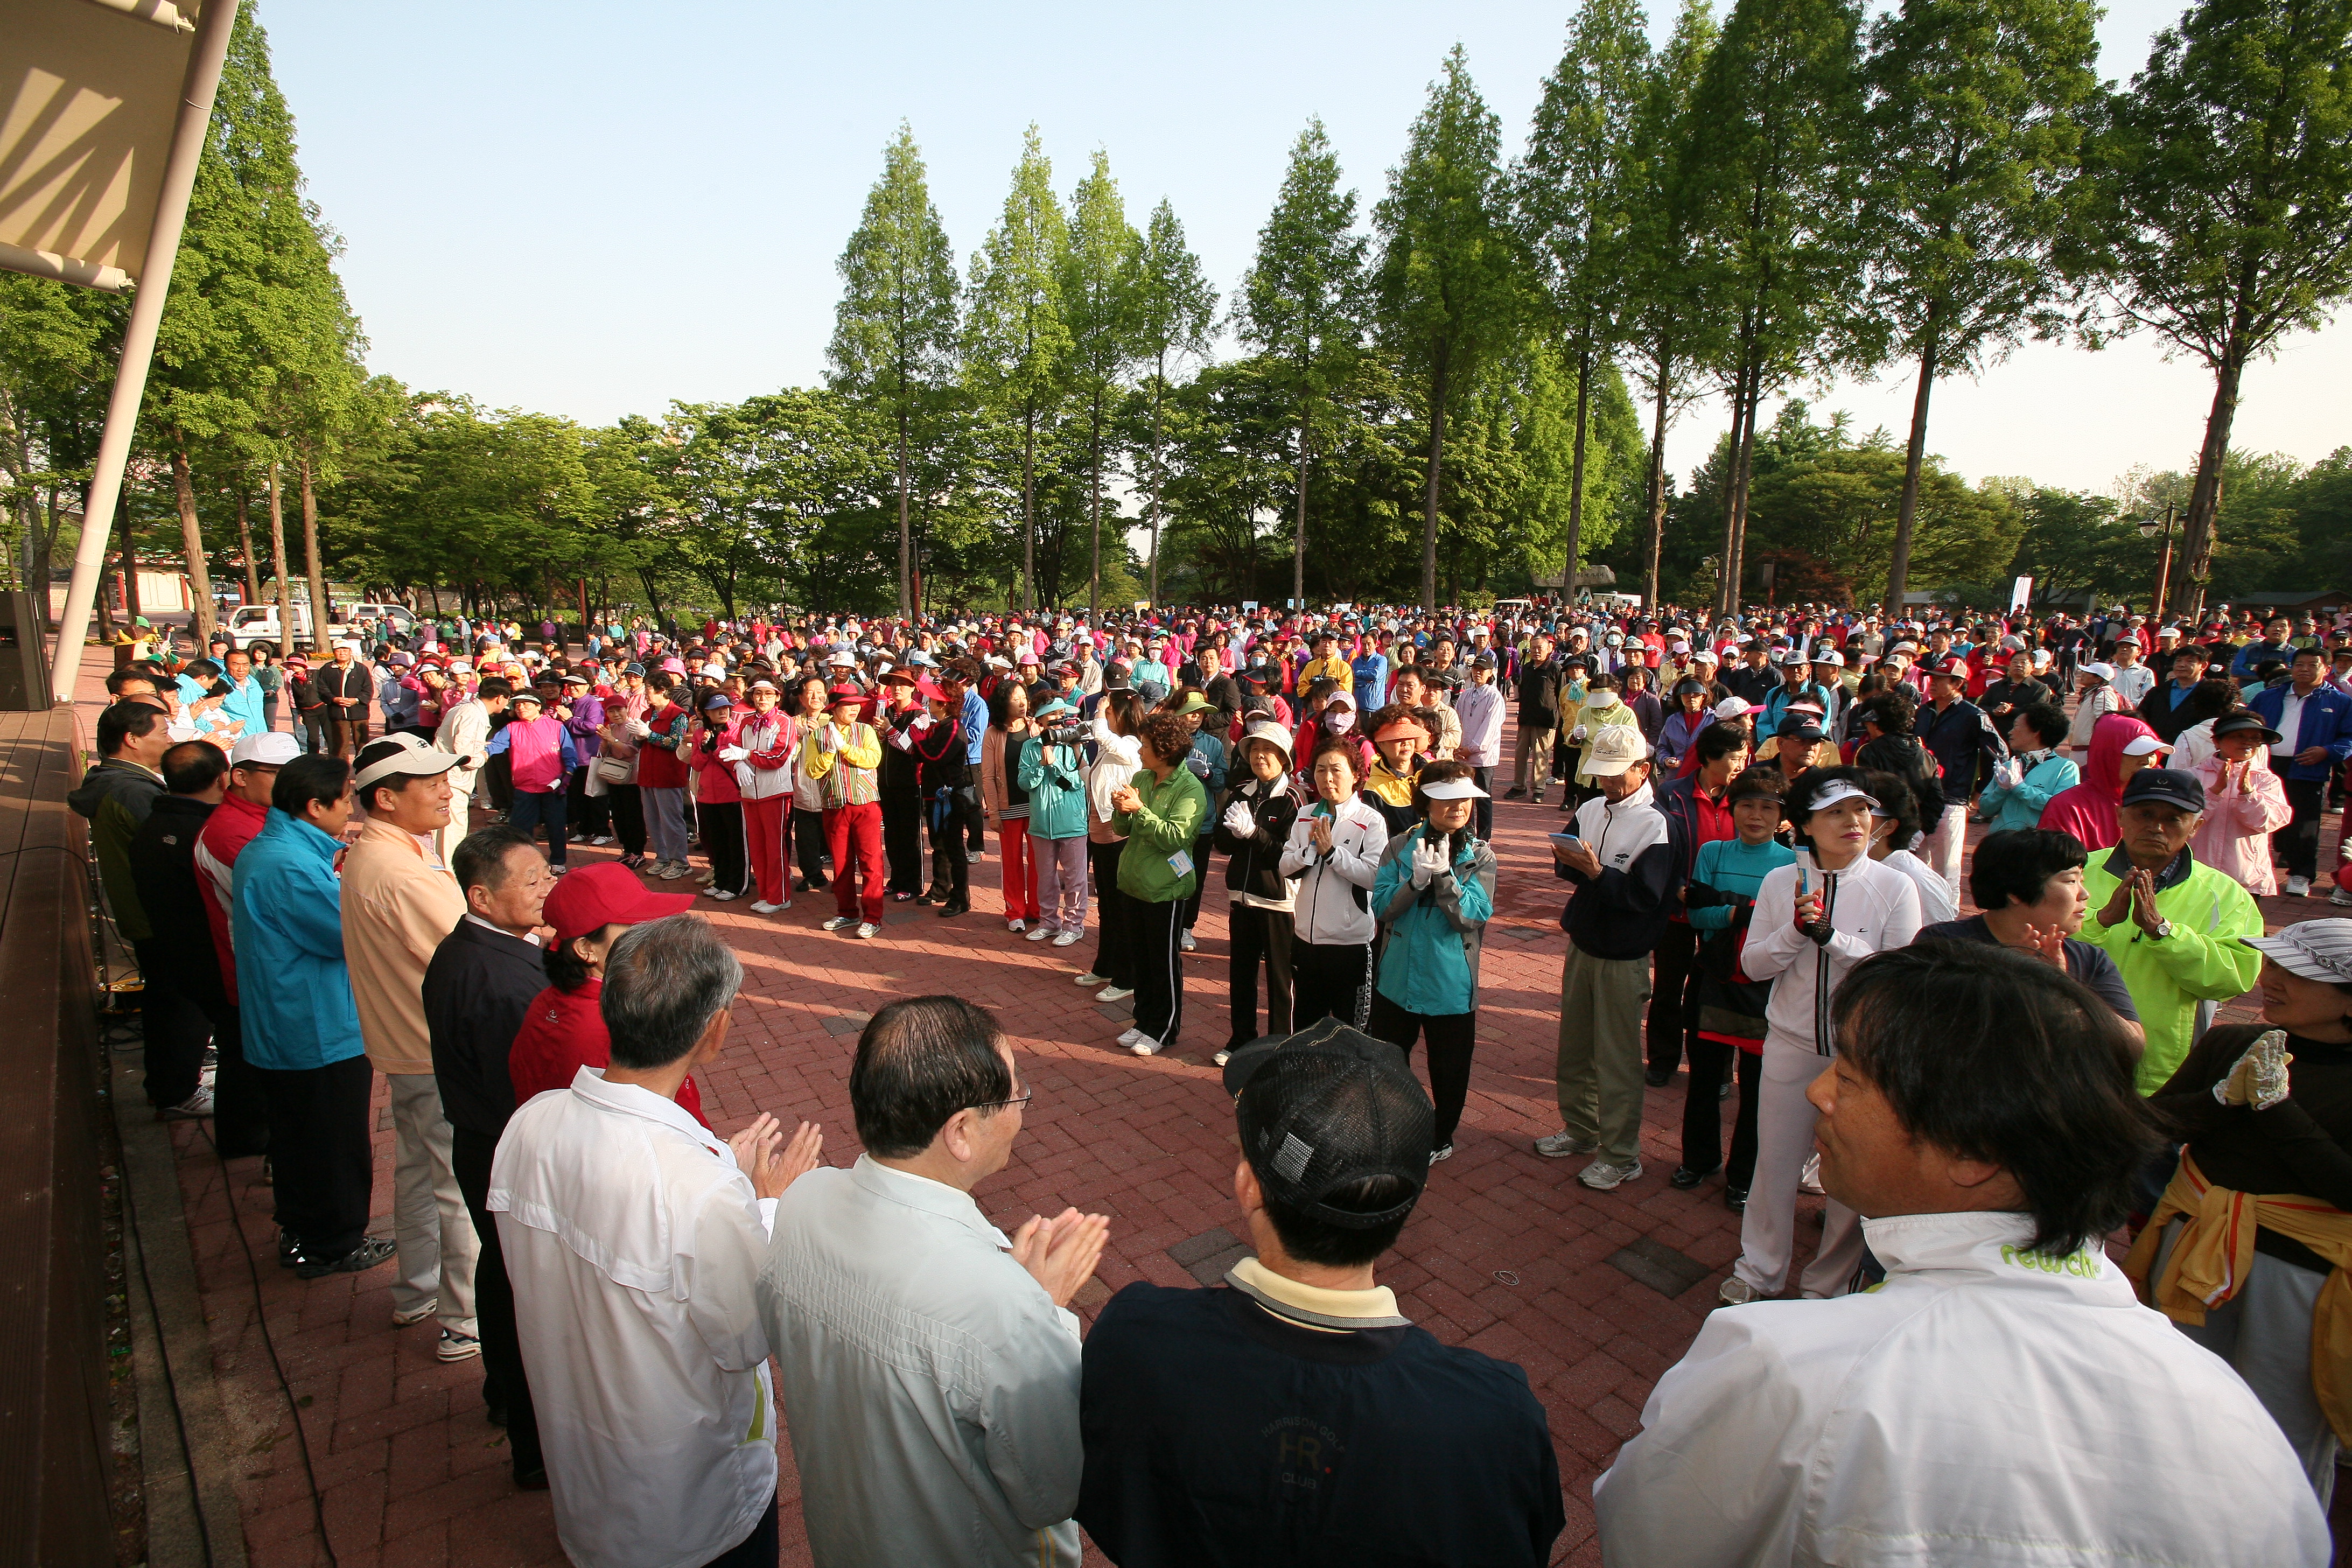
[(633, 1237)]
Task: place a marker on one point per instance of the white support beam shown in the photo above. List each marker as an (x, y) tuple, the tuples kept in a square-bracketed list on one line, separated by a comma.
[(206, 54), (64, 269)]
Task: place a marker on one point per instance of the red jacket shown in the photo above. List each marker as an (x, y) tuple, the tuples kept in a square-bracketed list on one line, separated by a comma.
[(658, 764), (564, 1031), (226, 832)]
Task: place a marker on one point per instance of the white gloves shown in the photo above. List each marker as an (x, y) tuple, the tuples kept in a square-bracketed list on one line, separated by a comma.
[(2260, 1078), (732, 753), (1579, 734), (1428, 861), (638, 729), (2010, 773), (1238, 820)]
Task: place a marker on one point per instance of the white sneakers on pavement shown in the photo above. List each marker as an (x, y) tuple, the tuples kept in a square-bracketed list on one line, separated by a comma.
[(1016, 927), (1603, 1177), (867, 931), (2298, 886), (1735, 1292), (761, 907), (1184, 940), (839, 922), (1041, 933), (1091, 978), (1113, 993), (1562, 1146), (1068, 938)]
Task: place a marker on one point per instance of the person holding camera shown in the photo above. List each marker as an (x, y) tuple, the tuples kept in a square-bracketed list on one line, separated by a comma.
[(1434, 892), (1051, 768)]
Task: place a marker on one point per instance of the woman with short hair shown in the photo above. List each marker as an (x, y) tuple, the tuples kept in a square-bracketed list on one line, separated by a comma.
[(1159, 811), (1333, 853)]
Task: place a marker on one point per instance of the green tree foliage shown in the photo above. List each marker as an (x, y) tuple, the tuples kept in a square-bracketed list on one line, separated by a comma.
[(2222, 204), (1302, 304), (1977, 116), (58, 349), (895, 329), (1174, 308), (1575, 191), (1102, 298), (1449, 278), (1016, 339), (1779, 156)]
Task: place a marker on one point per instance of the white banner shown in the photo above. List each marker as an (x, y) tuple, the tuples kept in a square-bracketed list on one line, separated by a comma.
[(2020, 594)]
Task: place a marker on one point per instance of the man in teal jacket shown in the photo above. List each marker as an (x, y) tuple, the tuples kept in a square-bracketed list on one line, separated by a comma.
[(302, 1027)]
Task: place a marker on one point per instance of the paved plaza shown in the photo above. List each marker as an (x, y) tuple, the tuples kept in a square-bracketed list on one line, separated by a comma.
[(1594, 1294)]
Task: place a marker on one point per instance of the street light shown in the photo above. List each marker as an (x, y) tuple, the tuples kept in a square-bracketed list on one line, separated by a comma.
[(2149, 527)]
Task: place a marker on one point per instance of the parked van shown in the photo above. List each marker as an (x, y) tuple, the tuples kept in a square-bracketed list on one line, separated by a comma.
[(250, 624)]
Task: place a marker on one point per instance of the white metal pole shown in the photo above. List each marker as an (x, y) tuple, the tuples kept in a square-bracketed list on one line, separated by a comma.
[(205, 54)]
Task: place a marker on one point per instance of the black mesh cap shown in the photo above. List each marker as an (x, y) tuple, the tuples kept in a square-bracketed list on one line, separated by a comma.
[(1327, 1107)]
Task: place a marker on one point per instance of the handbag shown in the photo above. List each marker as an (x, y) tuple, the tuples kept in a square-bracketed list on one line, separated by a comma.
[(615, 770)]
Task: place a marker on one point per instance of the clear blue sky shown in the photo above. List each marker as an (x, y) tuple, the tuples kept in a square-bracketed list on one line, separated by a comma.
[(593, 208)]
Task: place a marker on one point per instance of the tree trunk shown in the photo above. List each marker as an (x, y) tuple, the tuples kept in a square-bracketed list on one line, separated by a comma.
[(1094, 587), (321, 620), (192, 541), (1029, 512), (1429, 499), (1744, 470), (130, 569), (1299, 537), (1657, 492), (906, 532), (2196, 558), (245, 546), (1915, 460), (286, 643), (1576, 478), (1158, 390), (1726, 587)]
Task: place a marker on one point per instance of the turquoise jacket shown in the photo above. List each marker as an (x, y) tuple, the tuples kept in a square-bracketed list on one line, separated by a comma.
[(1056, 778), (2021, 806), (1430, 965), (294, 990)]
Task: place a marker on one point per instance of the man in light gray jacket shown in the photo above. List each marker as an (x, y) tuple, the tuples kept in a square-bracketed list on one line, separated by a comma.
[(929, 1366)]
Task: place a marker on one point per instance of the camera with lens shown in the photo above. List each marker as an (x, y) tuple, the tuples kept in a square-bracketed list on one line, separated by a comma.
[(1070, 734)]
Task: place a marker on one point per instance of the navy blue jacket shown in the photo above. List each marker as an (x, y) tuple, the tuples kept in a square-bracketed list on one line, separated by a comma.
[(2326, 721)]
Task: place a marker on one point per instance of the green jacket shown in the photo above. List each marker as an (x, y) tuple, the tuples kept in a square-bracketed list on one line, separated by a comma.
[(1166, 823), (2202, 961)]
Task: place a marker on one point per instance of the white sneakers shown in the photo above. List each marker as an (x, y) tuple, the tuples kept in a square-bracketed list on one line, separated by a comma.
[(1066, 939), (721, 894), (1113, 993), (1735, 1292), (761, 907), (1184, 940), (1091, 978), (839, 922), (1561, 1145), (707, 878), (867, 931), (2298, 886), (1016, 927), (670, 872), (1141, 1043), (1041, 933), (1603, 1177)]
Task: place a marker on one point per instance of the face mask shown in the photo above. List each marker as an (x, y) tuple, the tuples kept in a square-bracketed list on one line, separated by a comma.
[(1336, 721)]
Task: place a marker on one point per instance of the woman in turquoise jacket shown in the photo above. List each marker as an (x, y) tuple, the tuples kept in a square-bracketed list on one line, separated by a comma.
[(1055, 775), (2033, 774), (1433, 895), (302, 1029)]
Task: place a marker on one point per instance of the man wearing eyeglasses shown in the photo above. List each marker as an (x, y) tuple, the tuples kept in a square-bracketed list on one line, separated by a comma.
[(929, 1365)]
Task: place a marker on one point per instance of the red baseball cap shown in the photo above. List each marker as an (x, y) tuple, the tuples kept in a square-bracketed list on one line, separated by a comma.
[(594, 896)]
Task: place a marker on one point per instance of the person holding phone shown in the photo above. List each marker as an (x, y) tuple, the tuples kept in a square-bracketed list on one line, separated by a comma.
[(1813, 920)]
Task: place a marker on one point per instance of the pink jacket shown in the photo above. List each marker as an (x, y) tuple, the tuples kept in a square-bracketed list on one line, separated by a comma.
[(537, 747), (2234, 836)]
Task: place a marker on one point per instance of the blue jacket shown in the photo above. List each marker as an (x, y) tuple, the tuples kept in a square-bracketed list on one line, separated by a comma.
[(294, 990), (2326, 721), (1371, 674), (1056, 778), (1430, 966), (2021, 806)]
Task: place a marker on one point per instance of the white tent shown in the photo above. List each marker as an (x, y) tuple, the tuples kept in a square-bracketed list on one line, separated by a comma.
[(107, 103)]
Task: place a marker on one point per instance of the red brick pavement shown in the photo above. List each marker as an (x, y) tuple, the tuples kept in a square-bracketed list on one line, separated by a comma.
[(1505, 1253)]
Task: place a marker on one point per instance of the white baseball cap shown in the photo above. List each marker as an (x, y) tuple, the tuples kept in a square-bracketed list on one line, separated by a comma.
[(269, 749), (2103, 671), (1615, 748), (2143, 745)]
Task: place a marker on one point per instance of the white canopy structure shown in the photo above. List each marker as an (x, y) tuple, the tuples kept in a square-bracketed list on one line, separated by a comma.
[(104, 106)]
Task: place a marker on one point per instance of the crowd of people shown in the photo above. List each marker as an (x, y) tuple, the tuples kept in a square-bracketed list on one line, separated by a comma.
[(1760, 828)]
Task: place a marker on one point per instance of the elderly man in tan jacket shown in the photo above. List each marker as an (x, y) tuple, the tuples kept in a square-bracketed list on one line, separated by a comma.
[(399, 902)]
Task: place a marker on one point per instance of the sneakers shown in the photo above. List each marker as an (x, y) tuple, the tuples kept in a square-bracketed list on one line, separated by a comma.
[(721, 894), (707, 878), (557, 870), (1091, 978), (672, 870), (1114, 993), (633, 862), (1603, 1177), (372, 1251), (1016, 927), (2298, 886), (1068, 938), (197, 1104), (839, 922), (2341, 898), (414, 1314), (761, 907), (1129, 1037), (1445, 1153), (1143, 1044), (1184, 940), (1735, 1292), (1221, 1057), (455, 1346), (1041, 933), (867, 931), (1561, 1145), (600, 840)]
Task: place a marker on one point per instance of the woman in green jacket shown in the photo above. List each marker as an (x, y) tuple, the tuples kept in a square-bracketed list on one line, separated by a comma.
[(1160, 811)]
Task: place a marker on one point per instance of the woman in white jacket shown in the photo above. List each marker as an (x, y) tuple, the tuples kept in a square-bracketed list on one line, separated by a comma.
[(1334, 850), (1813, 921)]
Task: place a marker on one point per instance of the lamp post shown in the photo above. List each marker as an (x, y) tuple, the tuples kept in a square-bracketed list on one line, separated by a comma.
[(2149, 527)]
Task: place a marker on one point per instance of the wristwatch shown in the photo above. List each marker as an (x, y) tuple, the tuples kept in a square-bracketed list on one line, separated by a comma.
[(2163, 930)]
